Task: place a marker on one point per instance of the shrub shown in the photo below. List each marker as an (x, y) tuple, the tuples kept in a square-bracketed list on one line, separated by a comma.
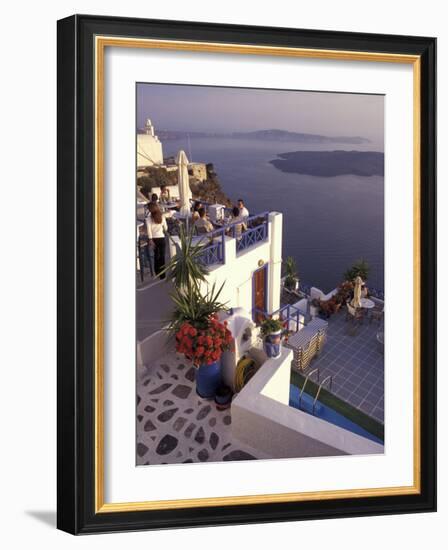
[(269, 325), (360, 268), (291, 276)]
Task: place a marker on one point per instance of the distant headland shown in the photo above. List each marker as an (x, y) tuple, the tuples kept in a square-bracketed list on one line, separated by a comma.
[(331, 163), (264, 135)]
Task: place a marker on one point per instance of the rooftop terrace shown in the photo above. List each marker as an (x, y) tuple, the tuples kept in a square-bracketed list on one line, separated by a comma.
[(174, 425), (354, 357)]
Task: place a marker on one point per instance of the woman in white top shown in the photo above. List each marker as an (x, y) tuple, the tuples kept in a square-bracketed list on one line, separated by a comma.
[(156, 228)]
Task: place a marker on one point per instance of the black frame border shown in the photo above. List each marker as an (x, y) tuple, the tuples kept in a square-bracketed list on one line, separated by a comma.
[(76, 262)]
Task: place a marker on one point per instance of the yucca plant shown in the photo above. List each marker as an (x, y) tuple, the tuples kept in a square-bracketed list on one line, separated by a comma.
[(185, 268), (291, 276), (194, 308), (359, 269)]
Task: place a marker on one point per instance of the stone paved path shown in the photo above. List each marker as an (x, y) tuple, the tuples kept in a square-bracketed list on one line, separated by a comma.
[(175, 425)]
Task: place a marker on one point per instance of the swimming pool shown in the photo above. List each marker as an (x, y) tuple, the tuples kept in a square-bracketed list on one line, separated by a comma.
[(327, 413)]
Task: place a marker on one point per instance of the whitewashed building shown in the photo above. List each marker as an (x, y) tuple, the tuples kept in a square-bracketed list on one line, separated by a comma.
[(249, 265), (149, 147)]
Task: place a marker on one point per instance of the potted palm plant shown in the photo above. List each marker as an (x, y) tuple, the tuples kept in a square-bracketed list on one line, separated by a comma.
[(359, 269), (291, 277), (271, 331), (185, 268), (200, 336)]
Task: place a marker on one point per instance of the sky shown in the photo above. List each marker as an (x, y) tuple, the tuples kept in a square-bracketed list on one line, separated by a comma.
[(218, 109)]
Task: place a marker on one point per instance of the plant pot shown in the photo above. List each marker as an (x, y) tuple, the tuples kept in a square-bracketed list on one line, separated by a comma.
[(314, 311), (208, 380), (272, 344), (292, 285), (223, 397)]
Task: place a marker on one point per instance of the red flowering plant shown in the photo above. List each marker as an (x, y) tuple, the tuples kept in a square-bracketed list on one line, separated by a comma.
[(344, 291), (200, 336), (204, 346)]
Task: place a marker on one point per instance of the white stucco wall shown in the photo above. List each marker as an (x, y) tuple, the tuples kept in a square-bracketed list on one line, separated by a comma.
[(237, 273), (262, 418), (238, 270), (153, 347), (149, 150), (275, 268)]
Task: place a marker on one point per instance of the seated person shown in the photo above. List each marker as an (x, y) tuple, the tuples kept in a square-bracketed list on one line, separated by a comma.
[(244, 212), (164, 194), (195, 216), (202, 224)]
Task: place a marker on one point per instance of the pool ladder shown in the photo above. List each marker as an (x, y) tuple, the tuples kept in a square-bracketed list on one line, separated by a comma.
[(305, 383), (330, 378)]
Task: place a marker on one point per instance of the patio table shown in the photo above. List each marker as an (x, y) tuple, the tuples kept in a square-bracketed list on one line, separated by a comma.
[(367, 304)]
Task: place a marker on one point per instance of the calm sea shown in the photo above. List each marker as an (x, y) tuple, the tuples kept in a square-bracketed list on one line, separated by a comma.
[(328, 223)]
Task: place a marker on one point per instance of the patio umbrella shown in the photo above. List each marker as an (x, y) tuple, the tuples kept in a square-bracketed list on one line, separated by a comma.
[(356, 302), (184, 183)]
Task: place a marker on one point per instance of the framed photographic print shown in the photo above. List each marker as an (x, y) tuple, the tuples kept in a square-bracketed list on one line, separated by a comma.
[(246, 274)]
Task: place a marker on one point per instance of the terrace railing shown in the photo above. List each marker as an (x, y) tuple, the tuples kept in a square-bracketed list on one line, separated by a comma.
[(214, 243), (292, 317), (256, 232), (214, 248), (144, 259)]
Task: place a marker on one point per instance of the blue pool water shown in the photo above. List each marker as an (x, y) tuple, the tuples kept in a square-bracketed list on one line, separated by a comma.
[(326, 413)]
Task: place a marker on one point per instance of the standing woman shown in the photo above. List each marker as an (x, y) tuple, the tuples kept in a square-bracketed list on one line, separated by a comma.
[(156, 228)]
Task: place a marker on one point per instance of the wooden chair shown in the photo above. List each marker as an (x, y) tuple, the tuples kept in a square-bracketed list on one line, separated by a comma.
[(377, 314), (356, 315)]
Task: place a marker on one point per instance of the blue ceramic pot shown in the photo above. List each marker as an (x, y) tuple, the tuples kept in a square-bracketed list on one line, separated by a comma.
[(208, 380), (272, 344)]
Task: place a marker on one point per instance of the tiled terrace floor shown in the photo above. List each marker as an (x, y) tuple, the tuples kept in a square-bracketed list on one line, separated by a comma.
[(174, 425), (356, 361)]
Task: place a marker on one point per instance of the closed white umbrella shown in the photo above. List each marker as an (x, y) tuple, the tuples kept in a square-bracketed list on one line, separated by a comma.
[(356, 302), (184, 183)]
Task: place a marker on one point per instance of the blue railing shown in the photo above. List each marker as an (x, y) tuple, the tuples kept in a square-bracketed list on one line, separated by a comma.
[(256, 232), (288, 314), (214, 243), (304, 288), (214, 248)]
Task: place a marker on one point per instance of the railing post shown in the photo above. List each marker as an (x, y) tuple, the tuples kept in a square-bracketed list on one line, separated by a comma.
[(223, 246)]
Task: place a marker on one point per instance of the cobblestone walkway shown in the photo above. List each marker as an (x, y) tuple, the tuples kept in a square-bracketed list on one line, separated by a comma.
[(174, 425)]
